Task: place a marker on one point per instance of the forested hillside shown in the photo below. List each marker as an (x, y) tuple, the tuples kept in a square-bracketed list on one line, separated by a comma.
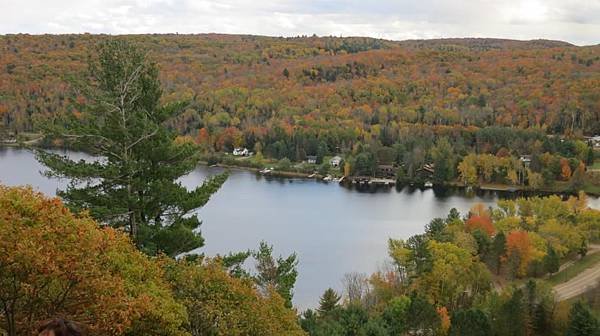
[(342, 88), (469, 107)]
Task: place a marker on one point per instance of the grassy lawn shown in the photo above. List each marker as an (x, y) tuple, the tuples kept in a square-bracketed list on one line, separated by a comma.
[(595, 166), (591, 188), (498, 186), (561, 312), (570, 272), (563, 307)]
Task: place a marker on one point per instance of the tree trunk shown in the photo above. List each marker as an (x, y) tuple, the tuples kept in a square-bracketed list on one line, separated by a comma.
[(11, 328), (133, 229)]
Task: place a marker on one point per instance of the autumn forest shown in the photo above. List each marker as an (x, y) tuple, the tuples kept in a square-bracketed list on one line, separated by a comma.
[(113, 250), (470, 107)]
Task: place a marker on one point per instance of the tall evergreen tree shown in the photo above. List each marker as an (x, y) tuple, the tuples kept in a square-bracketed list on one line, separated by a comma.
[(511, 317), (470, 322), (436, 230), (542, 320), (590, 155), (329, 301), (308, 321), (354, 318), (583, 248), (279, 274), (420, 254), (396, 314), (444, 161), (582, 322), (424, 320), (498, 250), (551, 261), (133, 184)]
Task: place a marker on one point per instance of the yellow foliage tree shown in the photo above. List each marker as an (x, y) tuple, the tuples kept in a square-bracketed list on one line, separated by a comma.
[(219, 304), (454, 272)]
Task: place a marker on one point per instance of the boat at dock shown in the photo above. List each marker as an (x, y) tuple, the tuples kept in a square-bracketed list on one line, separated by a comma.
[(372, 181), (266, 171)]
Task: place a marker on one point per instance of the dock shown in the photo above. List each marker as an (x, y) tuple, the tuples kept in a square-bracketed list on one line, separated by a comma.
[(373, 181)]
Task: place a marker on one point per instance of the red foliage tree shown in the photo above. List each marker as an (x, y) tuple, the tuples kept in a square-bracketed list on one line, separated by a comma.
[(483, 223)]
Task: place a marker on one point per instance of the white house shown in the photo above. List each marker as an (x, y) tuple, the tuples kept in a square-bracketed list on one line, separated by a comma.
[(240, 152), (335, 161), (595, 140), (526, 159)]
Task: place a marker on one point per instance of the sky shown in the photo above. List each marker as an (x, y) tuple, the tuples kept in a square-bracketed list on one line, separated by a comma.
[(575, 21)]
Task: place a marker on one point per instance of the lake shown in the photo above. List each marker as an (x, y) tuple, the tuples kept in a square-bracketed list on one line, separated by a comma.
[(333, 229)]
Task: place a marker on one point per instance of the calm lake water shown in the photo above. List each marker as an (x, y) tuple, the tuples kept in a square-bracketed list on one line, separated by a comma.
[(333, 229)]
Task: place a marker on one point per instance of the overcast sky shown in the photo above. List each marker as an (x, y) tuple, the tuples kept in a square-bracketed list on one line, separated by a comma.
[(575, 21)]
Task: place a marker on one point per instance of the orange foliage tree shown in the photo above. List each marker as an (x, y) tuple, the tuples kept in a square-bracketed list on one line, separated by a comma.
[(565, 169), (519, 251), (53, 263), (445, 322), (203, 138)]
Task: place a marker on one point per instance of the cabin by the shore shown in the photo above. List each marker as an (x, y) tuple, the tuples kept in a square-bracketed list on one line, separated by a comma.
[(429, 167), (595, 141), (335, 161), (241, 152)]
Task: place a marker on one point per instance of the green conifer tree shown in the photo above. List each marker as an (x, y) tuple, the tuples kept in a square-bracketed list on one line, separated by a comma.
[(551, 261), (134, 184), (329, 301), (470, 322), (582, 322), (279, 274)]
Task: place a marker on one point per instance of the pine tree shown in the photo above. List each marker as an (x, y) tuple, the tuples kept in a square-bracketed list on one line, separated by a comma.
[(133, 185), (512, 319), (498, 251), (583, 248), (328, 302), (423, 318), (279, 274), (590, 155), (582, 322), (542, 320), (443, 158), (471, 322), (551, 261)]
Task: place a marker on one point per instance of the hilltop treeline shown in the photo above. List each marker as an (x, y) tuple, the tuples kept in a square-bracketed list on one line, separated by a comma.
[(348, 89)]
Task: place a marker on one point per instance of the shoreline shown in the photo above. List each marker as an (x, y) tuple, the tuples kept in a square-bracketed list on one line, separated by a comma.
[(453, 184), (315, 176)]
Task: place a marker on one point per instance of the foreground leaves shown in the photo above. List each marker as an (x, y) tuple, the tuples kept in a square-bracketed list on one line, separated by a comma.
[(53, 263)]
